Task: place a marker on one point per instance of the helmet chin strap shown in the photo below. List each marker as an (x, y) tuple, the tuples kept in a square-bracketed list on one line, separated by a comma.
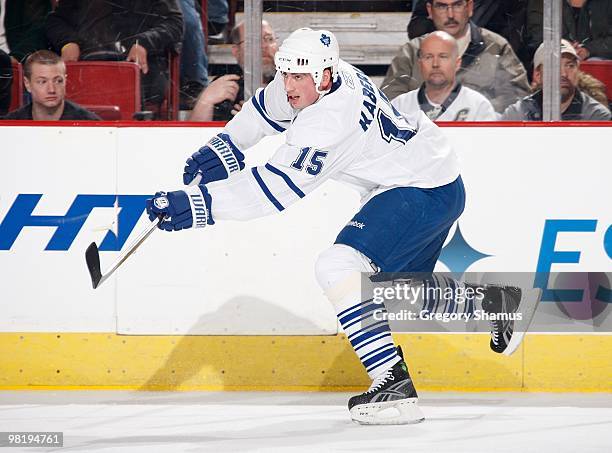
[(322, 92)]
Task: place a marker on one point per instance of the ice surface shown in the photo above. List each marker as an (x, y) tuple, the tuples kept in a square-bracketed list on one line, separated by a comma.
[(111, 421)]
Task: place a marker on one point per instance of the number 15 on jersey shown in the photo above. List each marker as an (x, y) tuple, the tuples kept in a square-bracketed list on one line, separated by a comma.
[(314, 157)]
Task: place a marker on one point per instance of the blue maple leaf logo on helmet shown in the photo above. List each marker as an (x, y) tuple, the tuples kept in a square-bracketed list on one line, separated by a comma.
[(326, 40)]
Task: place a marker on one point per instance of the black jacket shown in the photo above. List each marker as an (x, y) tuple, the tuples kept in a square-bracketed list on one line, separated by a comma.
[(72, 112), (592, 27), (6, 79), (24, 22), (100, 25), (223, 110)]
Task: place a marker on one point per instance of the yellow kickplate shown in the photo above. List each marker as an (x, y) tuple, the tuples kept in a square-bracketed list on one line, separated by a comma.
[(568, 363), (301, 363)]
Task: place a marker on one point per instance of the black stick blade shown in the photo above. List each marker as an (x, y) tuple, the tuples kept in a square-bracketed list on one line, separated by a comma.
[(92, 257)]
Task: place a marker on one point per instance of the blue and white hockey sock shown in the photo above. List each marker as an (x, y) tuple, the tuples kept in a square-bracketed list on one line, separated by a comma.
[(339, 272), (370, 336)]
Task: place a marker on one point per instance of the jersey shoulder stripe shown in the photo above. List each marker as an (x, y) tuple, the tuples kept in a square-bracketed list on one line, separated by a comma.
[(264, 188), (263, 113), (287, 179), (261, 98)]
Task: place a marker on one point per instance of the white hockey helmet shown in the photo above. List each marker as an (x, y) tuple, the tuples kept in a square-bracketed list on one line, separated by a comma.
[(308, 51)]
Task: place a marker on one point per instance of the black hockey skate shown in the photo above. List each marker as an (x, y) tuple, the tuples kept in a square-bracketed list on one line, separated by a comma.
[(514, 309), (390, 400)]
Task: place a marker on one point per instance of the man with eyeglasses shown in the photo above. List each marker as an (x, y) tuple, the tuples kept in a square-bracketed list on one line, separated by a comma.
[(488, 63), (224, 96), (441, 97), (504, 17), (575, 104)]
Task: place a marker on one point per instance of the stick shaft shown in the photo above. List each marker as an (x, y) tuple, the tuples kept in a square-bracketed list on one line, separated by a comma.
[(131, 249)]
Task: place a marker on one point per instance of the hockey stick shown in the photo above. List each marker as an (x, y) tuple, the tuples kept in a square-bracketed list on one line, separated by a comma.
[(92, 254)]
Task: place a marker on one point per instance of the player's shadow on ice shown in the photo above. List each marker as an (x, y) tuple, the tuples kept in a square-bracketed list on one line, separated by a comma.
[(257, 361)]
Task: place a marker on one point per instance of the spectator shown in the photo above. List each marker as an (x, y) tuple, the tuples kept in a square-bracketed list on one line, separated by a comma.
[(143, 31), (194, 61), (218, 18), (587, 24), (44, 76), (225, 95), (575, 104), (488, 63), (24, 24), (440, 96), (6, 79), (504, 17)]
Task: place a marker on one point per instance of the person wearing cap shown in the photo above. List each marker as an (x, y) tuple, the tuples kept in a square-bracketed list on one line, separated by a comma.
[(576, 105)]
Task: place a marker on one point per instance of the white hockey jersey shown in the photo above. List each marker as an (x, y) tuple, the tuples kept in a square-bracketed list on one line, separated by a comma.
[(463, 104), (352, 135)]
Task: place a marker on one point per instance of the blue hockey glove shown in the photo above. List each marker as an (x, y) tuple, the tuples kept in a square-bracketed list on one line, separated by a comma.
[(217, 160), (181, 209)]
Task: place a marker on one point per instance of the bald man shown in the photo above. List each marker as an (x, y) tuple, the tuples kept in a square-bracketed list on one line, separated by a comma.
[(440, 96)]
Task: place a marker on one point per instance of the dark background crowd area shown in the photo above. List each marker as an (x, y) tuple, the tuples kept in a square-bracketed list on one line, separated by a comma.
[(176, 46), (375, 6)]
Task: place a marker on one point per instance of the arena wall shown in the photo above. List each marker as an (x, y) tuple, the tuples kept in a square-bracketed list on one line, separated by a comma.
[(237, 306)]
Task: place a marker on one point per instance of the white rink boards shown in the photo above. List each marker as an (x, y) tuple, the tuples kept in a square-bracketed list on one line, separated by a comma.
[(257, 277)]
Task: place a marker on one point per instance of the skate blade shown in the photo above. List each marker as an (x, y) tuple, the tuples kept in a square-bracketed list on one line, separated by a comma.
[(400, 412), (527, 307)]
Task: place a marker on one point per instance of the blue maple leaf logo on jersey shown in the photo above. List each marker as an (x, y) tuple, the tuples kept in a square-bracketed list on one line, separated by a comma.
[(326, 40)]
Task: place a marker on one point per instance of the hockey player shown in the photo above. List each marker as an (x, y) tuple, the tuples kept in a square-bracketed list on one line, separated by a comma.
[(340, 126)]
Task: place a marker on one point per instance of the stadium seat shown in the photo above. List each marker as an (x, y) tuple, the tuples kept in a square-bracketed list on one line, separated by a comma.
[(109, 88), (601, 70), (17, 87), (106, 112)]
